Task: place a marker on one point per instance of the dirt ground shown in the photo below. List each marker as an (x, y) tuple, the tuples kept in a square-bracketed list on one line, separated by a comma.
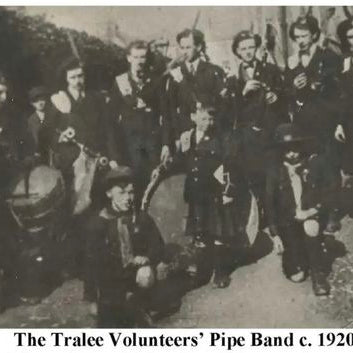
[(258, 296)]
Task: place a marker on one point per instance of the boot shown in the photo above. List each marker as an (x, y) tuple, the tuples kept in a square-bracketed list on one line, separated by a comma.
[(333, 224), (221, 277), (321, 287)]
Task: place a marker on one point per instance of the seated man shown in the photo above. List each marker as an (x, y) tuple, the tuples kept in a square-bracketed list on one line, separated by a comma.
[(295, 192), (123, 249)]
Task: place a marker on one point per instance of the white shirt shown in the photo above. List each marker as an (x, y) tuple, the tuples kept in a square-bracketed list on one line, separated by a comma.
[(41, 116), (76, 94), (294, 60), (199, 136), (195, 64)]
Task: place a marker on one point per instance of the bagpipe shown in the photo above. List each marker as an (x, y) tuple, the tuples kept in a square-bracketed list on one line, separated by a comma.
[(84, 168)]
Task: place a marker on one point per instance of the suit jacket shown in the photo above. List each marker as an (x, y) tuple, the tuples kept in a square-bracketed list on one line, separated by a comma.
[(184, 88), (201, 160), (319, 114), (346, 91), (134, 114), (280, 199), (105, 249), (41, 135), (252, 110), (88, 116)]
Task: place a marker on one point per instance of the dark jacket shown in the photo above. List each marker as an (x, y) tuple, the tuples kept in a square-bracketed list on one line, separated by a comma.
[(201, 160), (346, 102), (252, 109), (104, 244), (88, 116), (42, 134), (206, 86), (315, 107), (135, 115), (280, 201)]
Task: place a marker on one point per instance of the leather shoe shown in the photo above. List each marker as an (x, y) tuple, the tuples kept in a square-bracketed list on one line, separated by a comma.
[(321, 287)]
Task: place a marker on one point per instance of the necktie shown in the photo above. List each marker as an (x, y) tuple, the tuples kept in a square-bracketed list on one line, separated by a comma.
[(125, 241), (192, 69)]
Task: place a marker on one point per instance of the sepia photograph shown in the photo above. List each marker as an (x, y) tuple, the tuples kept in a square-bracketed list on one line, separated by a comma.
[(176, 167)]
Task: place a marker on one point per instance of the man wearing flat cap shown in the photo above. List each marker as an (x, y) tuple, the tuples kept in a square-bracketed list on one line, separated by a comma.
[(123, 250), (257, 92), (295, 204), (313, 93)]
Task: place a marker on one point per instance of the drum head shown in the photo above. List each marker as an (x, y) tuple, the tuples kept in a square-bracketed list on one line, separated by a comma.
[(42, 181), (169, 209)]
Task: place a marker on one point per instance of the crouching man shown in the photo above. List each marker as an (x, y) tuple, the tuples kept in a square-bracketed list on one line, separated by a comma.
[(294, 191), (123, 250)]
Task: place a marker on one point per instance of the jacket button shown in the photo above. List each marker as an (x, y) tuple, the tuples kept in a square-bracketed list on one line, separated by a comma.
[(196, 179), (195, 159)]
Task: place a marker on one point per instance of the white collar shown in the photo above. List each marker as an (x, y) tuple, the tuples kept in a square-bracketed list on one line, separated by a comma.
[(292, 167), (41, 115), (199, 136), (194, 63), (294, 60), (75, 93)]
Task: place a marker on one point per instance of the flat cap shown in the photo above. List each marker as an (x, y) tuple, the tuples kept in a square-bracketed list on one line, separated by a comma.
[(37, 92)]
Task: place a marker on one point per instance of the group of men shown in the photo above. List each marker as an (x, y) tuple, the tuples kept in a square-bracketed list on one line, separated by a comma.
[(284, 136)]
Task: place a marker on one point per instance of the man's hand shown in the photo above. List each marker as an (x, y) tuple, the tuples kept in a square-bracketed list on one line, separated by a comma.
[(300, 81), (226, 199), (113, 165), (340, 136), (67, 135), (162, 271), (251, 85), (141, 260), (165, 155), (302, 215), (277, 245), (271, 97)]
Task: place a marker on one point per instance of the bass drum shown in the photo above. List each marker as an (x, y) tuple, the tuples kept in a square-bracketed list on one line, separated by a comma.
[(169, 210), (35, 199), (37, 203)]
